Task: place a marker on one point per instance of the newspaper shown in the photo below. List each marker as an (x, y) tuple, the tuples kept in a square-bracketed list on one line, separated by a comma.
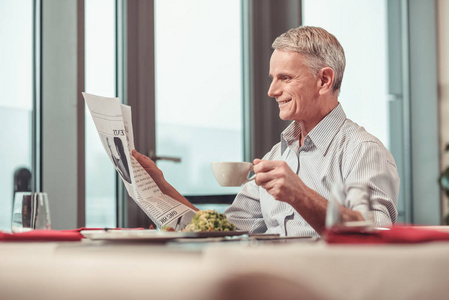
[(114, 126)]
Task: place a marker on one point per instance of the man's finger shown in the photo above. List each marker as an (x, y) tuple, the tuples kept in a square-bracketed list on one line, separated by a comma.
[(262, 179), (145, 161), (264, 166)]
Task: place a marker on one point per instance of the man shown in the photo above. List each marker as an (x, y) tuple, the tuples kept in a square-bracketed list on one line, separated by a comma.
[(319, 149)]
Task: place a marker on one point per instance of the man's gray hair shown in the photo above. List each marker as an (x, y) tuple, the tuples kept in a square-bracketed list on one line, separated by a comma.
[(320, 48)]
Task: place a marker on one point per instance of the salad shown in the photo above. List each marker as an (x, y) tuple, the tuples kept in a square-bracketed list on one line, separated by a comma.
[(209, 220)]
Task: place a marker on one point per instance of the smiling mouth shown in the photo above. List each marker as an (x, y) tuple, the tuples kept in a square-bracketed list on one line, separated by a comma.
[(284, 102)]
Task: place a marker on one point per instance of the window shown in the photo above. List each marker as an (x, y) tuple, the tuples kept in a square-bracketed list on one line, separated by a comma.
[(199, 96), (16, 99), (100, 72), (199, 91), (364, 92)]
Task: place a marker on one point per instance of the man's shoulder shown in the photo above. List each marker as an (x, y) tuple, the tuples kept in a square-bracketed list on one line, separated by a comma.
[(353, 133), (354, 138)]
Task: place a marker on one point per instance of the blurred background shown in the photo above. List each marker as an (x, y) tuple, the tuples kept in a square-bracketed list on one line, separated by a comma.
[(195, 73)]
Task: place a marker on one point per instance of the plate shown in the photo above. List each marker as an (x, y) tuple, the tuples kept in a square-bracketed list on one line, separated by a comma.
[(277, 237), (132, 235), (152, 235), (210, 234)]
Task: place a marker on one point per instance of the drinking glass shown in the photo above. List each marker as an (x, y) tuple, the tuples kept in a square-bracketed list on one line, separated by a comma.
[(30, 211), (338, 196)]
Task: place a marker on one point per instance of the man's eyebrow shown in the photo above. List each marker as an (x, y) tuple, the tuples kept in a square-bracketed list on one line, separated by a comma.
[(281, 75)]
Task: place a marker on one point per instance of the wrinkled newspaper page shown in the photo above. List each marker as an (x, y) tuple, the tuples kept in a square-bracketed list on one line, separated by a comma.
[(114, 126)]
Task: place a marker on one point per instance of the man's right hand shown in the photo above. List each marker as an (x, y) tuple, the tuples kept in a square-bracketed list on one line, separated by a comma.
[(150, 167), (158, 177)]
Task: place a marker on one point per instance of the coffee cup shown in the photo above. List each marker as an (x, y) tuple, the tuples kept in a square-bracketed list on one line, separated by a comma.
[(232, 173)]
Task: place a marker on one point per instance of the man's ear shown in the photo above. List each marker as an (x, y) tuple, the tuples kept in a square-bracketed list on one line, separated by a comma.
[(326, 77)]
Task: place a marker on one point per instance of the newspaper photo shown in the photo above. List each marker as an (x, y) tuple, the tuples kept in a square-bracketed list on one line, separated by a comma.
[(113, 122)]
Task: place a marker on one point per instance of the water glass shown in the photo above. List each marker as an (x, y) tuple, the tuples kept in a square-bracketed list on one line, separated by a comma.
[(30, 211), (338, 196)]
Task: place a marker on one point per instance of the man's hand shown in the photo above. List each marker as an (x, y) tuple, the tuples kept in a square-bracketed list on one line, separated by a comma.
[(150, 167), (278, 179), (158, 177)]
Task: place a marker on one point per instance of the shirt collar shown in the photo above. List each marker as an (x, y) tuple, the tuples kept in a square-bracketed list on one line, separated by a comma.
[(321, 135), (290, 135)]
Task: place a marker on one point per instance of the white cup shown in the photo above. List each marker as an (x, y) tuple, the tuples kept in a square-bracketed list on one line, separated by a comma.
[(232, 173)]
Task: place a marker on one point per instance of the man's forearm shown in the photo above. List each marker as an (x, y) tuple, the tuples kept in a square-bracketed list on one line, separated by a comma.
[(313, 207), (169, 190)]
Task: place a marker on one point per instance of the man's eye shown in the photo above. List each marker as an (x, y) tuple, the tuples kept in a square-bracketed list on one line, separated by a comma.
[(285, 78)]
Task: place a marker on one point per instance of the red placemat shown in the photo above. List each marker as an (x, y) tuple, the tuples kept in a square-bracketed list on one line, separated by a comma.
[(41, 235), (51, 235), (395, 235)]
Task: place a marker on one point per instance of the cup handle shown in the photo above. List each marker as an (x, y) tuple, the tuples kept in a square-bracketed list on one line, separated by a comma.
[(252, 178)]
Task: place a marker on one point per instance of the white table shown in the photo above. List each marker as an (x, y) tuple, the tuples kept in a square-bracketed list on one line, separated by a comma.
[(231, 270)]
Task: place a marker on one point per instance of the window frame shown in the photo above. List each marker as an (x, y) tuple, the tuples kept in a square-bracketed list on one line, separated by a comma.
[(60, 151)]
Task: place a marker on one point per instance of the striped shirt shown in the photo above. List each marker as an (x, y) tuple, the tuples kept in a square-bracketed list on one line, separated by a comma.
[(336, 150)]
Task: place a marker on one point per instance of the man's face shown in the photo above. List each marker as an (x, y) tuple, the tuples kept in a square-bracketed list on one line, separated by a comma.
[(293, 86)]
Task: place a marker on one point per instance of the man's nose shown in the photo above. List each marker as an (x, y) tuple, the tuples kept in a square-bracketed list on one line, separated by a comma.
[(274, 90)]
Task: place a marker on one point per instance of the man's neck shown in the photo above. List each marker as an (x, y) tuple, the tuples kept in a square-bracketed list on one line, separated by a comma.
[(306, 127)]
